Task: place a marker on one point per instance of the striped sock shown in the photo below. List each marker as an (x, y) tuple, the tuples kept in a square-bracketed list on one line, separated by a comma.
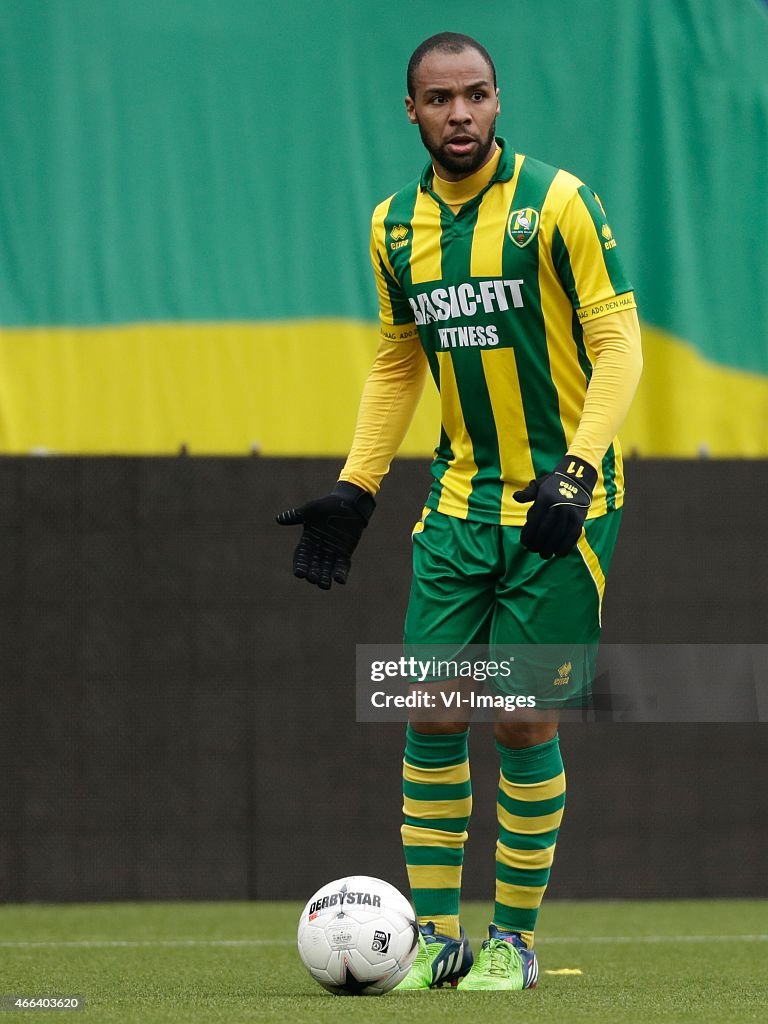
[(437, 802), (529, 810)]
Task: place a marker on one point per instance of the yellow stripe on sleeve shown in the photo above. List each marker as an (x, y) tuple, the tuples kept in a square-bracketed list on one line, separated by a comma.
[(590, 275), (557, 312), (379, 233), (379, 256)]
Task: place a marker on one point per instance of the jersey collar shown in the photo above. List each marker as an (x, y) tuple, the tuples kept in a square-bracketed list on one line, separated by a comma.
[(504, 170)]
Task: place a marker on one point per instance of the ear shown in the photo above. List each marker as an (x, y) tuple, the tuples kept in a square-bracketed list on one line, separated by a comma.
[(410, 109), (498, 105)]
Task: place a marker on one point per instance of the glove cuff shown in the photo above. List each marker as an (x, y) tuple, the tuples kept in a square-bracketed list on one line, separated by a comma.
[(579, 471), (357, 497)]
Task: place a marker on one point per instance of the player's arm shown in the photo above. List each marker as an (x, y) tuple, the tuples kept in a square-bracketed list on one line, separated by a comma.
[(584, 254), (390, 397), (614, 343), (334, 524)]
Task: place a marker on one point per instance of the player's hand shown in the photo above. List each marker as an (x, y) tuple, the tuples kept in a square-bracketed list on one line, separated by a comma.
[(561, 500), (333, 526)]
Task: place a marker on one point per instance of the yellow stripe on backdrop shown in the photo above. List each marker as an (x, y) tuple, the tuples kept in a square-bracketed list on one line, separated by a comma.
[(288, 388), (292, 388), (688, 406)]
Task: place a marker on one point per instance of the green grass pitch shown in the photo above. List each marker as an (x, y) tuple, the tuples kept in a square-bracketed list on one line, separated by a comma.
[(697, 961)]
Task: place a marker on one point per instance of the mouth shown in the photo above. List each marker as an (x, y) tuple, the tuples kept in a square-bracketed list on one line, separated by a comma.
[(460, 145)]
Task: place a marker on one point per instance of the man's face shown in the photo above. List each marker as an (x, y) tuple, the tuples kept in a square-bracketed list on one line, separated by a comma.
[(455, 106)]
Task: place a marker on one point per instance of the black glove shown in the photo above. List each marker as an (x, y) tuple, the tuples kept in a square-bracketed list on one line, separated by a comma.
[(332, 527), (561, 500)]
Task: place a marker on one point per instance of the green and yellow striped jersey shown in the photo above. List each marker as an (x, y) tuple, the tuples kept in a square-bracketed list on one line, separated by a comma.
[(498, 293)]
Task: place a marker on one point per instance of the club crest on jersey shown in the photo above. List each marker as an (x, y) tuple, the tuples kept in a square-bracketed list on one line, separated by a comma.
[(522, 226)]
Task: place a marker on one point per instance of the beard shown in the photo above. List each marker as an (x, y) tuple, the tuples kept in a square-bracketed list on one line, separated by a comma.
[(464, 165)]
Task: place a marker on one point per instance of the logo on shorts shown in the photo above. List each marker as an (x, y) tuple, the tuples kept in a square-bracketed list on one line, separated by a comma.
[(522, 226), (380, 942), (563, 675)]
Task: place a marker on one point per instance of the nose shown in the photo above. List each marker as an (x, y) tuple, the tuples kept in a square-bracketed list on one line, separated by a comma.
[(461, 112)]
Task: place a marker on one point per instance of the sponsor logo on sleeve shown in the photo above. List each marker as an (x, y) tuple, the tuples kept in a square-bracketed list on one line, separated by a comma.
[(399, 236), (610, 241)]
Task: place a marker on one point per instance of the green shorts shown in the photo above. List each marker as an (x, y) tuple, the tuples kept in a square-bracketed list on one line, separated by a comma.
[(475, 585)]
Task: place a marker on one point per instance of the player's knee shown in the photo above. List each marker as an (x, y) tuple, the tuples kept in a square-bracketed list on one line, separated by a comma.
[(439, 728), (517, 735)]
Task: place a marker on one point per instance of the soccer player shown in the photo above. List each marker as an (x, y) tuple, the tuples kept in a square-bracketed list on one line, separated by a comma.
[(500, 277)]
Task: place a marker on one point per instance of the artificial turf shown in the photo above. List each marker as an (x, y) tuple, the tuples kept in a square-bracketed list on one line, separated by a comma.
[(697, 961)]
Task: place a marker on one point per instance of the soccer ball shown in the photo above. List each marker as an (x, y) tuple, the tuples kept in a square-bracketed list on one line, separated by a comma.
[(358, 936)]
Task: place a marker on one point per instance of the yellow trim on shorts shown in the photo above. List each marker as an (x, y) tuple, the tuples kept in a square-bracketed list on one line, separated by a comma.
[(420, 524), (593, 566)]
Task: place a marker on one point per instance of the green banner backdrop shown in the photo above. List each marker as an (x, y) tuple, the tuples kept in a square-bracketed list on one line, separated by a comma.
[(186, 190)]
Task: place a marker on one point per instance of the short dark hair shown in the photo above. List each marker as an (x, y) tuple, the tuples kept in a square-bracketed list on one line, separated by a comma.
[(446, 42)]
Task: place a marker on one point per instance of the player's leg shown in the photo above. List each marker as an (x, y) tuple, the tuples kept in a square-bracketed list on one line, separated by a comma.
[(530, 802), (451, 604), (437, 802), (555, 607)]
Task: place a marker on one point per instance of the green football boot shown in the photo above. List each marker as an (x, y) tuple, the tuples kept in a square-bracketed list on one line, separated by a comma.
[(440, 960), (504, 962)]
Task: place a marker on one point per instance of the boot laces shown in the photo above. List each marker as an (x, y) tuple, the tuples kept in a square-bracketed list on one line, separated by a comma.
[(422, 956), (499, 955)]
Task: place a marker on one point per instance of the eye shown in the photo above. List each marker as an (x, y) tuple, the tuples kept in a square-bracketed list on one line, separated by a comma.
[(479, 96), (437, 99)]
